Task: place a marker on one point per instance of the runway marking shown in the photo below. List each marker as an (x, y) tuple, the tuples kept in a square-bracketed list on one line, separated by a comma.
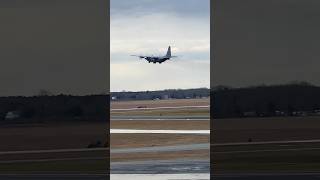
[(154, 108), (267, 142), (140, 131), (52, 151)]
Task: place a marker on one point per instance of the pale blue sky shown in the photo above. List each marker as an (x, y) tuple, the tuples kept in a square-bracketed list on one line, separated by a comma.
[(148, 27)]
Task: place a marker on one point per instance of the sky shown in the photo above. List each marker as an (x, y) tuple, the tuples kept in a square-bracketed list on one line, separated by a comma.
[(148, 27), (266, 42), (56, 45)]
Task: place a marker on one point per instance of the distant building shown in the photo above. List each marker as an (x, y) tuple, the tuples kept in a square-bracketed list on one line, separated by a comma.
[(114, 98), (12, 115), (250, 114), (316, 112), (166, 96)]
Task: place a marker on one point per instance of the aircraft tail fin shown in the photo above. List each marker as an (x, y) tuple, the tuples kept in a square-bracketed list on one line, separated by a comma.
[(169, 52)]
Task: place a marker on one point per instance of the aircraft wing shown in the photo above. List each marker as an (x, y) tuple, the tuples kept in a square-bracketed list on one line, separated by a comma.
[(139, 56)]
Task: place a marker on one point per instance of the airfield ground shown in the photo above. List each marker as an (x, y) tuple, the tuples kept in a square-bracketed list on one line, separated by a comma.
[(162, 124), (266, 129), (150, 140), (195, 154), (160, 103), (290, 153), (246, 158), (65, 136), (51, 135), (155, 122), (22, 146)]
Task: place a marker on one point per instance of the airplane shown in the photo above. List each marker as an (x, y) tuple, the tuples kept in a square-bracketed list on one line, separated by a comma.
[(157, 59)]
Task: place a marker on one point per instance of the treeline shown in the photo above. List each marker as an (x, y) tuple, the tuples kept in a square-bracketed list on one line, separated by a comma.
[(163, 94), (54, 108), (299, 99)]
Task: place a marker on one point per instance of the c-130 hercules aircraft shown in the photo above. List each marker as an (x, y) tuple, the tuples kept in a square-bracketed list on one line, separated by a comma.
[(157, 59)]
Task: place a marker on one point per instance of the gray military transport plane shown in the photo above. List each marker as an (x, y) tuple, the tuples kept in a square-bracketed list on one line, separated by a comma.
[(157, 59)]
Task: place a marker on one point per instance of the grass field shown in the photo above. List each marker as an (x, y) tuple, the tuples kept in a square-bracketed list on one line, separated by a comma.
[(51, 136), (148, 140), (166, 112), (162, 124), (265, 129), (275, 158), (268, 158), (59, 167), (160, 103), (194, 154)]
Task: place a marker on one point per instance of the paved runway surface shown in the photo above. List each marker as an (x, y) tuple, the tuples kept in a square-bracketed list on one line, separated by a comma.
[(154, 131), (158, 118), (187, 147), (202, 176), (164, 107), (292, 176), (52, 177), (161, 167)]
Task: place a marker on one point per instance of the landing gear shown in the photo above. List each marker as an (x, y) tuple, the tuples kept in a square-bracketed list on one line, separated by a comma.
[(149, 61)]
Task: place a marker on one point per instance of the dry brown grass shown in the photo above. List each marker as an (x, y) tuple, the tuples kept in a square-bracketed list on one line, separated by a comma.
[(164, 112), (199, 154), (51, 136), (161, 124), (160, 103), (148, 140), (266, 129)]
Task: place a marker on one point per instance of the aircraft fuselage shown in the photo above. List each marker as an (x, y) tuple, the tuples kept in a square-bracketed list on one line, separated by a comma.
[(156, 59)]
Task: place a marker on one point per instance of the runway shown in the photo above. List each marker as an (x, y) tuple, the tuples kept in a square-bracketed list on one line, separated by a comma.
[(53, 176), (188, 147), (266, 147), (271, 176), (156, 108), (176, 166), (162, 118), (143, 131), (268, 142), (189, 176), (52, 151)]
